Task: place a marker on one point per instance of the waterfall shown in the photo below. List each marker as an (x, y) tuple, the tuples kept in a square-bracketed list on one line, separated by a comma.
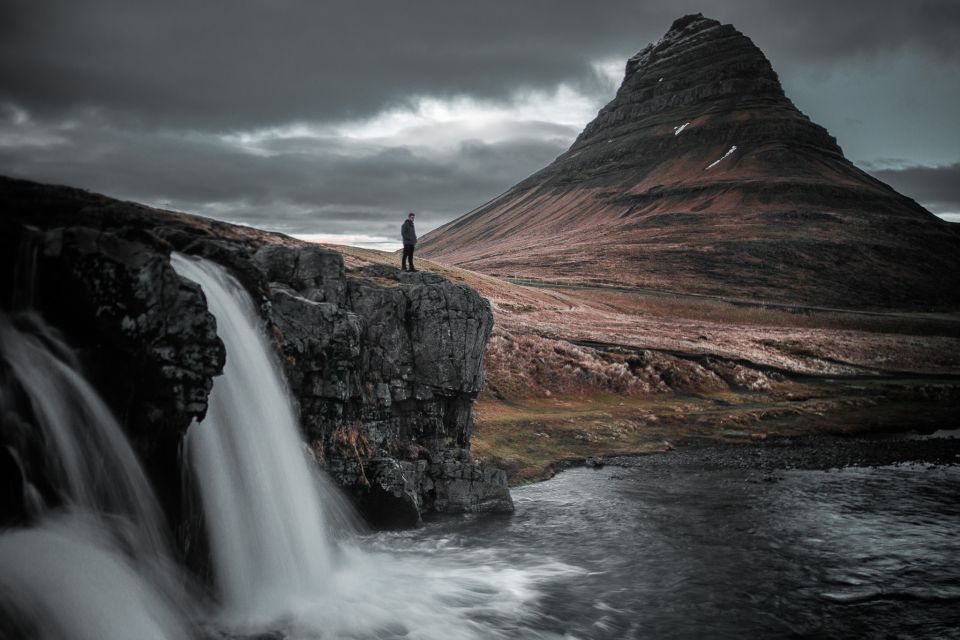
[(99, 541), (89, 462), (274, 556), (95, 564), (262, 504)]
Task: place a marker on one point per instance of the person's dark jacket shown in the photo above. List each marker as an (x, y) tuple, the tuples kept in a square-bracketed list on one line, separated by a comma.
[(408, 233)]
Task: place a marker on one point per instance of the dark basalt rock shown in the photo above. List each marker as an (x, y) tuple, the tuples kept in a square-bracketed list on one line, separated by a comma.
[(702, 176), (385, 376), (386, 382)]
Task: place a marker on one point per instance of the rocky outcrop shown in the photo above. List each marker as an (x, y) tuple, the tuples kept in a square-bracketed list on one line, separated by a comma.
[(385, 373), (702, 176), (384, 366)]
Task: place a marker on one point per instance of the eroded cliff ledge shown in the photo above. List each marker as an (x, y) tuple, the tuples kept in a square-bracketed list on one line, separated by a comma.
[(384, 366)]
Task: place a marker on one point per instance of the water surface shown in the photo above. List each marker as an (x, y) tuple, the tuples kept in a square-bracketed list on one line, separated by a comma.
[(641, 553)]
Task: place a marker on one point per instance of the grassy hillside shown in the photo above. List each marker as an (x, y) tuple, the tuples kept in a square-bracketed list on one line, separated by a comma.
[(575, 372)]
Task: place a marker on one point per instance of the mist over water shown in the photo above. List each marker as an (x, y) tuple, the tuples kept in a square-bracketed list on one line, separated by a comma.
[(68, 578)]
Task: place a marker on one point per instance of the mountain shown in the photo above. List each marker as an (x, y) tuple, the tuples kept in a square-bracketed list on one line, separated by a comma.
[(701, 176)]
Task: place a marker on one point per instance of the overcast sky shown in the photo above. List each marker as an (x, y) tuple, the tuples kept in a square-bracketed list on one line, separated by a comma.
[(333, 119)]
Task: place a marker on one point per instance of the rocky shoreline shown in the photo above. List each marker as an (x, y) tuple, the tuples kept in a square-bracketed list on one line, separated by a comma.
[(809, 453)]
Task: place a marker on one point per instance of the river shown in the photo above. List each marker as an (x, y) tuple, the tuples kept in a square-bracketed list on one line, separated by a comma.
[(672, 552)]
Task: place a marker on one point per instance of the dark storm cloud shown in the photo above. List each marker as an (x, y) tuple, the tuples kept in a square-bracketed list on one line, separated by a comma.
[(937, 186), (296, 185), (226, 65)]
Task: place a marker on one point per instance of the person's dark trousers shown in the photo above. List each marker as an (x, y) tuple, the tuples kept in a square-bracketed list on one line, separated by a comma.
[(407, 255)]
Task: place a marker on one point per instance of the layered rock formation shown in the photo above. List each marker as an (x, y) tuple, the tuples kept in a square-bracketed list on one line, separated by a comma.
[(384, 366), (702, 176)]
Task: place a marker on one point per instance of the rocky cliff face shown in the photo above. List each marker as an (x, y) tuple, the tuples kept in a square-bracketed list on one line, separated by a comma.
[(384, 366), (702, 176)]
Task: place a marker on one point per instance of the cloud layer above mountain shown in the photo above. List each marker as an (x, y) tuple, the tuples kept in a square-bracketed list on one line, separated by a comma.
[(337, 118)]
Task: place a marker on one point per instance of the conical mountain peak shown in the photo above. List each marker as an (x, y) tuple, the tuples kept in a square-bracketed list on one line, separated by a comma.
[(691, 22), (683, 30), (702, 176), (697, 68)]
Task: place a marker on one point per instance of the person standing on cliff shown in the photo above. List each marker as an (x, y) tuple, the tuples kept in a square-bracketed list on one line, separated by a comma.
[(409, 235)]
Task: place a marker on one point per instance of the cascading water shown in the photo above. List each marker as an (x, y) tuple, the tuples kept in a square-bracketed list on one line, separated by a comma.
[(90, 464), (275, 561), (96, 562), (261, 502)]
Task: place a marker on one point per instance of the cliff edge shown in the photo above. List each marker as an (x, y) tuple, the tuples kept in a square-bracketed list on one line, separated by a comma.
[(384, 366)]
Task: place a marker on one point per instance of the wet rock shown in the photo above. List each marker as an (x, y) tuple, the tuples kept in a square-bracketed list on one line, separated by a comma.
[(595, 462), (387, 380), (143, 310), (463, 486), (385, 490)]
